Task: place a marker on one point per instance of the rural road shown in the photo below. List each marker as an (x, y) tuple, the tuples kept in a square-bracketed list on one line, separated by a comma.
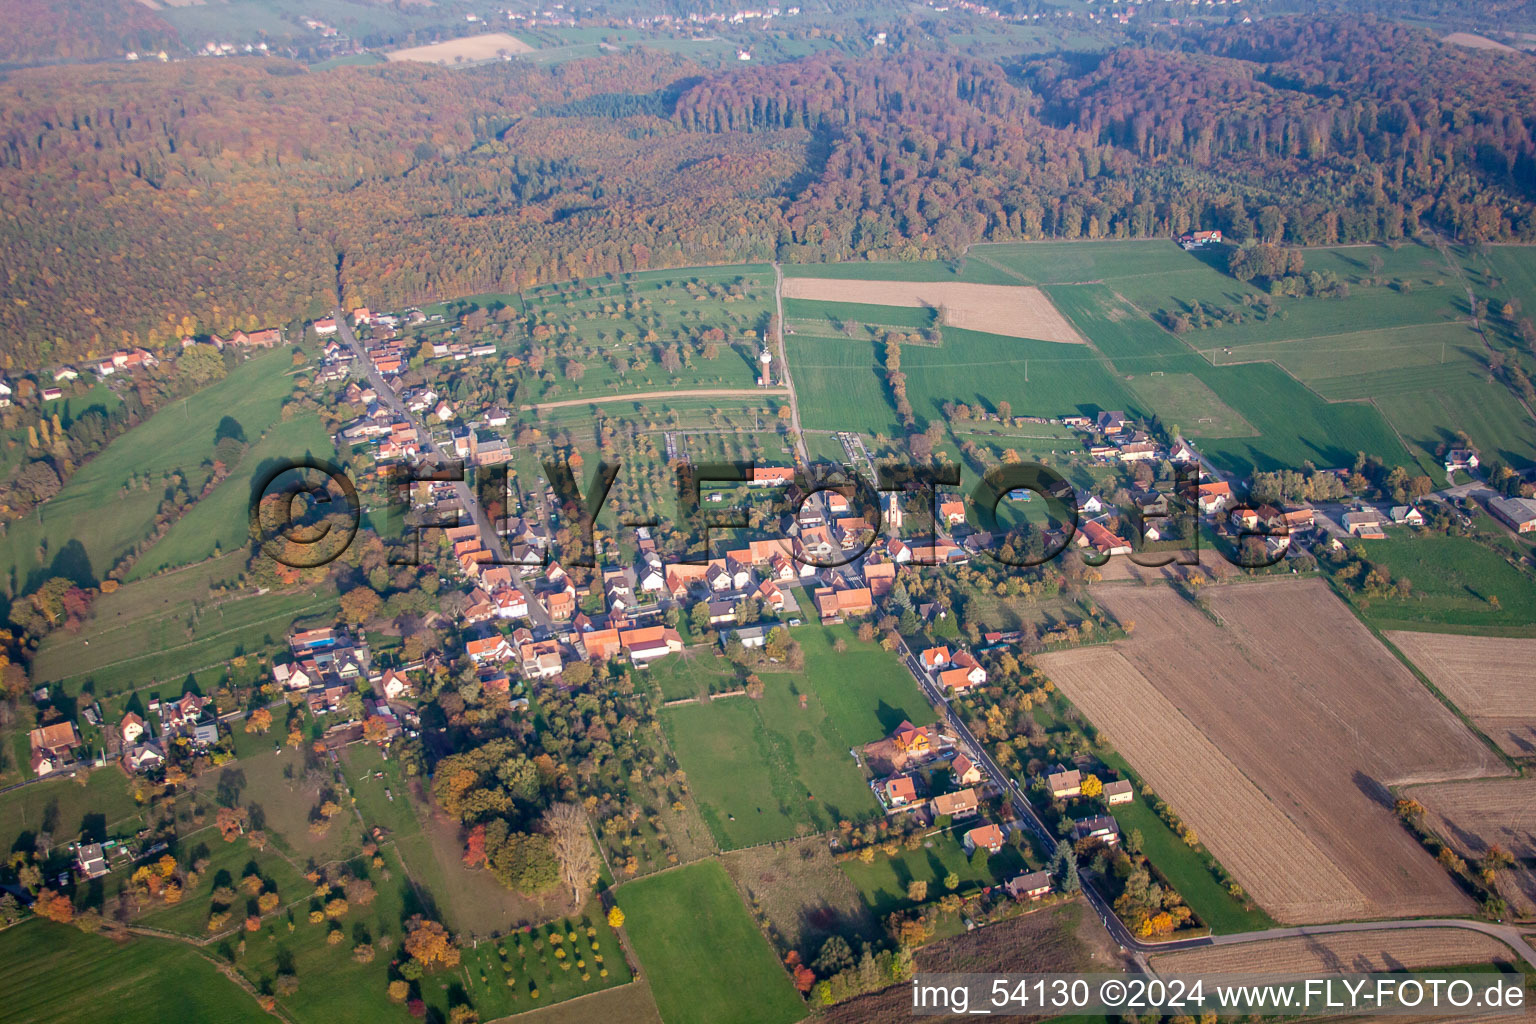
[(488, 535), (1506, 934), (635, 396), (802, 452)]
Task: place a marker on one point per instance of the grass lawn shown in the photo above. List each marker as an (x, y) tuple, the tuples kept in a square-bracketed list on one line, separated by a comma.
[(63, 808), (1184, 400), (705, 959), (769, 769), (883, 882), (55, 973), (76, 539), (1453, 579), (694, 672), (866, 690)]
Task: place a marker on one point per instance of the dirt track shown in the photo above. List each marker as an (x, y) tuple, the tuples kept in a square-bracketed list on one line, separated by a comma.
[(637, 396)]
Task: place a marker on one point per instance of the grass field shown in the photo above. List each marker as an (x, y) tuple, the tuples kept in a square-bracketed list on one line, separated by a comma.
[(221, 521), (972, 271), (883, 882), (54, 974), (702, 954), (158, 631), (1453, 580), (772, 769), (72, 537), (766, 770), (1184, 400), (63, 808)]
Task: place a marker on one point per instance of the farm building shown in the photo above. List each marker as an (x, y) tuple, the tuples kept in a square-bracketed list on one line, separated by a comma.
[(1519, 514)]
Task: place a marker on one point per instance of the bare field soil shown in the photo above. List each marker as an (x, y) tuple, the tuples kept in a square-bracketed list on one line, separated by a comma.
[(1017, 311), (1343, 953), (1063, 939), (1472, 816), (1281, 867), (803, 892), (470, 48), (1476, 42), (1310, 712), (1489, 678)]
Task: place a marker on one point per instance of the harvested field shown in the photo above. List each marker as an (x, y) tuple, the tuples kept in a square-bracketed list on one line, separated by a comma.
[(1476, 42), (1276, 736), (1472, 816), (1066, 938), (1017, 311), (1487, 677), (1343, 953), (470, 48), (1245, 830), (803, 892)]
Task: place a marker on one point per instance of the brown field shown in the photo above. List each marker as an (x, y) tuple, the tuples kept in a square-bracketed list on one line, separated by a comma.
[(632, 1004), (1487, 677), (804, 894), (1276, 737), (1473, 816), (471, 48), (1017, 311), (1063, 939), (1476, 42), (1344, 953)]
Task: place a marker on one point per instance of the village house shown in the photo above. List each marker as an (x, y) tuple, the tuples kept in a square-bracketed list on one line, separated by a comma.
[(772, 476), (899, 791), (952, 513), (1110, 422), (1200, 239), (131, 729), (52, 747), (145, 757), (91, 860), (1064, 784), (325, 326), (395, 684), (963, 674), (1461, 459), (835, 605), (492, 648), (1100, 826), (1102, 540), (912, 740), (1118, 792), (1032, 886), (960, 804), (935, 658), (964, 771), (1406, 515), (987, 837), (750, 637), (1214, 498)]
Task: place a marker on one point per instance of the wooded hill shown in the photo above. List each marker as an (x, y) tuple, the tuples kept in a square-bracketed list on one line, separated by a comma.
[(142, 202)]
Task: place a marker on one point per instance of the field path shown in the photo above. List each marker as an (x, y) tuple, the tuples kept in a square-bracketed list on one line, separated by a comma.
[(635, 396), (801, 450)]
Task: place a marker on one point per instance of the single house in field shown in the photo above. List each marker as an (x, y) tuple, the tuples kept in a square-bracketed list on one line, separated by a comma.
[(1519, 514), (987, 837), (91, 860), (1029, 887), (1063, 784), (1100, 826), (964, 771), (1463, 459), (959, 804), (1120, 792), (900, 791)]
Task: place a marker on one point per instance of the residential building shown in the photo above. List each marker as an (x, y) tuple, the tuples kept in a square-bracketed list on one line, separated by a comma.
[(1100, 826), (52, 746), (1029, 887), (1063, 784), (899, 791), (964, 771), (1118, 792), (959, 804), (986, 837)]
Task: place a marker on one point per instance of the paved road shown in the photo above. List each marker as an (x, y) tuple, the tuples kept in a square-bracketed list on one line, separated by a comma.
[(488, 535), (794, 403), (1503, 932)]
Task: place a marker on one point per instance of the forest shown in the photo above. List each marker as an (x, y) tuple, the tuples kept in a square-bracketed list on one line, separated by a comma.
[(205, 196)]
